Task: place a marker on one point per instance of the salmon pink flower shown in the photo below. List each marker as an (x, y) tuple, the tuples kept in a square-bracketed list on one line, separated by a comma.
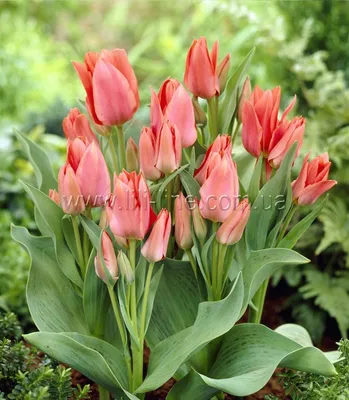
[(76, 124), (107, 253), (201, 70), (71, 199), (147, 154), (220, 191), (263, 132), (54, 196), (182, 223), (173, 103), (155, 247), (214, 154), (313, 180), (129, 211), (111, 86), (168, 148), (231, 230)]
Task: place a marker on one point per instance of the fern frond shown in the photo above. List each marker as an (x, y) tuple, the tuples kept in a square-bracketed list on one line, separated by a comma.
[(330, 294)]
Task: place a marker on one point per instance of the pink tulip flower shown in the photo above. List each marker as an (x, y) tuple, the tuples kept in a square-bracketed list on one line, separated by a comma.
[(155, 247), (231, 230), (108, 254), (71, 199), (182, 223), (313, 180), (76, 125), (111, 86)]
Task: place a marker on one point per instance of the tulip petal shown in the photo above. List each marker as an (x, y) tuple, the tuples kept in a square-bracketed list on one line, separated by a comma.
[(251, 130), (180, 112), (299, 184), (83, 129), (312, 192), (114, 100), (147, 155), (156, 115), (93, 177)]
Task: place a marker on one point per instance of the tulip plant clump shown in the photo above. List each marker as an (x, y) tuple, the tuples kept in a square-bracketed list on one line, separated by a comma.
[(168, 243)]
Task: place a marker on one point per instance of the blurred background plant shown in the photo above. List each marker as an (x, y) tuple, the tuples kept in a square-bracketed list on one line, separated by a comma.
[(301, 46)]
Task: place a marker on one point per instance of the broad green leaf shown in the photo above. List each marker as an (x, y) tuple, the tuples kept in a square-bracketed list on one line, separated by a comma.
[(262, 264), (95, 300), (228, 102), (299, 229), (271, 205), (92, 229), (94, 358), (296, 333), (212, 321), (190, 185), (163, 187), (191, 387), (52, 216), (41, 164), (249, 355), (53, 303), (176, 301)]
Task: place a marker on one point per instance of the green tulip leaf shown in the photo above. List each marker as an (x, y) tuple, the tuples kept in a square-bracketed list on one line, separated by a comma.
[(262, 264), (52, 300), (228, 102), (271, 205), (95, 300), (94, 358), (290, 240), (248, 357), (163, 187), (213, 320), (176, 301), (40, 162), (190, 185), (253, 188), (52, 216)]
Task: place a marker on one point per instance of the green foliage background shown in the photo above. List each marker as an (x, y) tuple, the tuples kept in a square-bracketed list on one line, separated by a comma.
[(301, 46)]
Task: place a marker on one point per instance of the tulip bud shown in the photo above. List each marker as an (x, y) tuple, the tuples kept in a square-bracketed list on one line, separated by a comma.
[(220, 191), (125, 267), (76, 124), (245, 95), (111, 86), (155, 247), (231, 230), (200, 225), (54, 196), (147, 154), (200, 70), (199, 114), (93, 177), (182, 223), (132, 159), (313, 180), (107, 257), (71, 199), (169, 149), (222, 72)]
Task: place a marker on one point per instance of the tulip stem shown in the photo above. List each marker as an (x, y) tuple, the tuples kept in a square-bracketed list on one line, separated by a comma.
[(142, 330), (255, 316), (192, 262), (220, 274), (212, 104), (285, 225), (103, 393), (113, 153), (236, 131), (121, 328), (137, 352), (122, 149), (214, 260), (80, 254)]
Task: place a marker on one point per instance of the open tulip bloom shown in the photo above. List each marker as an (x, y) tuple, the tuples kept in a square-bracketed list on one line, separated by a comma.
[(169, 240)]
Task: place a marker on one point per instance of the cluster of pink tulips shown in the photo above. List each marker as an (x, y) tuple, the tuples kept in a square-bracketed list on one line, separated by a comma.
[(177, 196)]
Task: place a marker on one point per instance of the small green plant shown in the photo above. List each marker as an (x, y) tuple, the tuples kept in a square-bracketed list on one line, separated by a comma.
[(306, 386), (25, 376)]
